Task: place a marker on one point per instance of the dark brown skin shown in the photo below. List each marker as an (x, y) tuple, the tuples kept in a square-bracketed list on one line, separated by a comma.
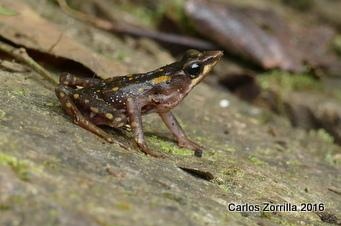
[(119, 101)]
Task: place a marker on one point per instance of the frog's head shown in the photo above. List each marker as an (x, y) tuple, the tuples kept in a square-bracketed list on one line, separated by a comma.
[(180, 77), (171, 83), (196, 65)]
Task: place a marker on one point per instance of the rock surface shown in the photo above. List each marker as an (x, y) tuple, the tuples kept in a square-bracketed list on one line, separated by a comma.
[(55, 173)]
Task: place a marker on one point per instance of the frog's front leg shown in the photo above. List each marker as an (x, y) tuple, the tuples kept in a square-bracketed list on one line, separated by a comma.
[(64, 95), (134, 114), (173, 125)]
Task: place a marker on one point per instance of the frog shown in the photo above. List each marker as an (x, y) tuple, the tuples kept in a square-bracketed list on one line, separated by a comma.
[(121, 101)]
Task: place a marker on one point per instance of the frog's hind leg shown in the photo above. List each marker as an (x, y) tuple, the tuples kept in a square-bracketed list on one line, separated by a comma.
[(100, 112), (71, 80), (64, 95)]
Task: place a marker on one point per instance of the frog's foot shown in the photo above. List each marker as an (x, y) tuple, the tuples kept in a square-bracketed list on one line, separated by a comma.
[(146, 150), (173, 125), (186, 143)]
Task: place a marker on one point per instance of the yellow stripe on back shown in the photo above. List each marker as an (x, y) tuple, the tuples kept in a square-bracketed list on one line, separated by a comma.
[(161, 79)]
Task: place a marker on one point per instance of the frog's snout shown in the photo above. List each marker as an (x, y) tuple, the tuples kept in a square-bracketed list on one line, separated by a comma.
[(215, 54), (212, 57)]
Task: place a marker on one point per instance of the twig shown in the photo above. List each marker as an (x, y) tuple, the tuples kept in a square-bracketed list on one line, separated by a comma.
[(335, 190), (13, 67), (56, 43), (128, 29), (21, 55)]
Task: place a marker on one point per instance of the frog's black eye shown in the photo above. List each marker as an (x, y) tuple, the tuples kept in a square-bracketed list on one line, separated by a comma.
[(193, 70)]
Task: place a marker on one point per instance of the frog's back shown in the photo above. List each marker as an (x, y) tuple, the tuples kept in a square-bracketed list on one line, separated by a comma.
[(132, 81)]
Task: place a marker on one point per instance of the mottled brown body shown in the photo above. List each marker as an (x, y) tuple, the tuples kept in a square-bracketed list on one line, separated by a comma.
[(119, 101)]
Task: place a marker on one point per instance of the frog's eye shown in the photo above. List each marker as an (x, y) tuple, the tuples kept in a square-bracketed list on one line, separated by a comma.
[(193, 70)]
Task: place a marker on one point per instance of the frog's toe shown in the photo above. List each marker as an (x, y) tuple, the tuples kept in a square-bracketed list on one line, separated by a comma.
[(109, 139), (158, 155), (153, 153), (146, 150), (191, 145)]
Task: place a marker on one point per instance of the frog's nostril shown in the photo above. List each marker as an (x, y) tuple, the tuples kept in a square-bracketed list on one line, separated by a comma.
[(217, 54)]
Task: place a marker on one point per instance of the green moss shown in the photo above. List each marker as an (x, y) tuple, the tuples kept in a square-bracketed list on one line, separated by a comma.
[(147, 16), (255, 160), (329, 157), (174, 197), (233, 172), (19, 92), (286, 82), (153, 16), (323, 135), (7, 12), (13, 200), (225, 188), (2, 114), (281, 220), (20, 167), (175, 10), (123, 206), (4, 207), (169, 147), (337, 44), (280, 83), (120, 55)]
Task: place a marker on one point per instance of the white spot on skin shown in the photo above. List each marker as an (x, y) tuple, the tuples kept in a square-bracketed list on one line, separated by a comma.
[(118, 119), (92, 114), (224, 103), (61, 94), (76, 95), (109, 116), (68, 105), (86, 101), (120, 125), (93, 109)]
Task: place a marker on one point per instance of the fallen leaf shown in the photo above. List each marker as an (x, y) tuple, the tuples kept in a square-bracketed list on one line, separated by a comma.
[(227, 26), (30, 30)]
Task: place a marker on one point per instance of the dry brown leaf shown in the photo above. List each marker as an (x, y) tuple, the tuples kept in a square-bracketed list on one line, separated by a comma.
[(28, 29)]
